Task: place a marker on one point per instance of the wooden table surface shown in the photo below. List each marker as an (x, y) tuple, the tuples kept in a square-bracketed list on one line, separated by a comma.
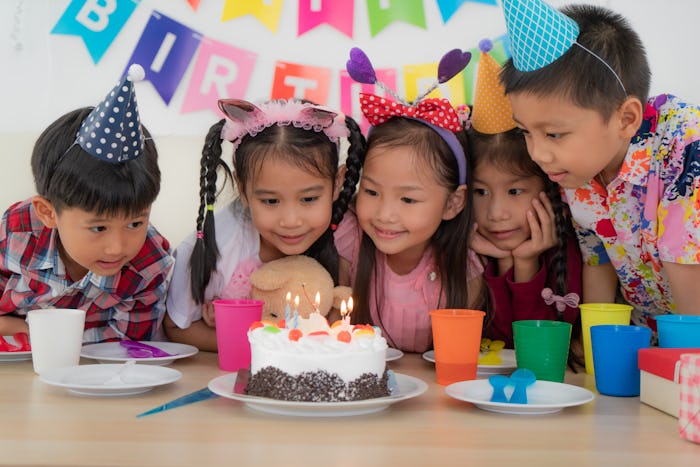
[(47, 425)]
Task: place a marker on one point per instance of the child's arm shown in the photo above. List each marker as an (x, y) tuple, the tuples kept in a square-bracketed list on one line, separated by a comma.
[(543, 236), (10, 325), (599, 284), (199, 334), (684, 280)]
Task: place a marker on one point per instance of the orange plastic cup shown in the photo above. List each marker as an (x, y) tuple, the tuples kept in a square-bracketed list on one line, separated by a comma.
[(456, 337)]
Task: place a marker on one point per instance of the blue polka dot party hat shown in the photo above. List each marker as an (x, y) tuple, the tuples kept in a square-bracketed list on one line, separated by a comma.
[(539, 33), (112, 131)]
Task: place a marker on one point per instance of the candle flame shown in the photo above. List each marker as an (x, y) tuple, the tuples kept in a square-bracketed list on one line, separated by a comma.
[(288, 297), (350, 305), (343, 309), (317, 299), (296, 301)]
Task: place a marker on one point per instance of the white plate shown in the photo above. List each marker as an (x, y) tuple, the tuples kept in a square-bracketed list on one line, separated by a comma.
[(506, 366), (14, 356), (393, 354), (109, 352), (543, 397), (98, 380), (408, 387)]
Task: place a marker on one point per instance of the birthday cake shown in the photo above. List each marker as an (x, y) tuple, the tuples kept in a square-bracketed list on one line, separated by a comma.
[(315, 362)]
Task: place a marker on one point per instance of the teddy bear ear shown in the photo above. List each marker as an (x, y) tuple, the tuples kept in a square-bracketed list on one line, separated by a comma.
[(268, 279), (340, 293)]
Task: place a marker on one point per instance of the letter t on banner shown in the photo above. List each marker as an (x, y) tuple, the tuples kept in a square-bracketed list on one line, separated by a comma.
[(165, 50), (302, 82), (221, 71), (98, 22)]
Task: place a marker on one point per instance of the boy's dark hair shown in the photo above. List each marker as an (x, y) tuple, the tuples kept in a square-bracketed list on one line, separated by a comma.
[(450, 241), (581, 77), (69, 177), (309, 150)]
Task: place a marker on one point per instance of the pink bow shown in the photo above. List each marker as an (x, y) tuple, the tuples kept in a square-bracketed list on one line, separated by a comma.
[(570, 299), (436, 111)]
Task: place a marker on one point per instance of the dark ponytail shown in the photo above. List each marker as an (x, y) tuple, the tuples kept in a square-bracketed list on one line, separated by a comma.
[(205, 252)]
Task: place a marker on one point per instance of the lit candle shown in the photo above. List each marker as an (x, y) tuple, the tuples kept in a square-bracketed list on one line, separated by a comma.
[(295, 323), (287, 311), (317, 302), (296, 303), (343, 310)]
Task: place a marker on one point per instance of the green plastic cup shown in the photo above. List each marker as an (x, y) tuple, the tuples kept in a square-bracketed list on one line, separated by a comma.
[(542, 346), (594, 314)]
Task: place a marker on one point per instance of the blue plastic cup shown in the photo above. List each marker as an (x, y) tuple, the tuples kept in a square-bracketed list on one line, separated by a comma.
[(615, 350), (678, 331)]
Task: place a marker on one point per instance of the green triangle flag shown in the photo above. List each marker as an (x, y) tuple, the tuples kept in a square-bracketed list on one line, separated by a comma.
[(381, 13)]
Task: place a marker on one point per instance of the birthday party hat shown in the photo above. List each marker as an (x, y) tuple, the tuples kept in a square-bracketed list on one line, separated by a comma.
[(539, 33), (491, 112), (112, 131)]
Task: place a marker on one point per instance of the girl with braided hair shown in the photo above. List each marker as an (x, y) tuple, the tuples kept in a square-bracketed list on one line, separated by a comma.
[(523, 231), (291, 196)]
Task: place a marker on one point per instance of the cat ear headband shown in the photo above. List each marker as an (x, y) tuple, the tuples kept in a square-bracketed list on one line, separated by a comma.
[(244, 118), (436, 113)]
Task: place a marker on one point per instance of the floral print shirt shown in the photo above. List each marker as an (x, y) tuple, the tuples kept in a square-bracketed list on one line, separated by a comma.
[(649, 213)]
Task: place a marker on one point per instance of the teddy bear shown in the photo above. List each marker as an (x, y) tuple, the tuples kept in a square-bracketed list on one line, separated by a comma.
[(300, 275)]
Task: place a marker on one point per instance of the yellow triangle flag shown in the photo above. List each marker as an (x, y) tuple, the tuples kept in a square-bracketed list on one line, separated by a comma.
[(268, 12)]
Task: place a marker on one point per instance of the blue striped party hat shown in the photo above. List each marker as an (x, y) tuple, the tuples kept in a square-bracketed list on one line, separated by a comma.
[(539, 33)]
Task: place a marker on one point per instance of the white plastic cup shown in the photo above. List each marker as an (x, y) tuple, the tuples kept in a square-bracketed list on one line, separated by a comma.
[(56, 336)]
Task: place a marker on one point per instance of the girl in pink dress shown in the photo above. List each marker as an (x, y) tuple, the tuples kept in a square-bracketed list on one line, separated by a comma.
[(406, 240)]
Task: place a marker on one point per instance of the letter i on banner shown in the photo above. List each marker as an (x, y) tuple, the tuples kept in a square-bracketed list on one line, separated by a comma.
[(220, 71), (301, 81), (350, 93), (165, 50), (98, 22)]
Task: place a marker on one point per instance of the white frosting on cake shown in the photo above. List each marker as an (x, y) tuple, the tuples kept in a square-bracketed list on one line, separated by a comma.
[(365, 353)]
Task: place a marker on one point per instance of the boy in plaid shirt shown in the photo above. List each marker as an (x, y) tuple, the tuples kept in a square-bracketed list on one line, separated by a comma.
[(84, 241)]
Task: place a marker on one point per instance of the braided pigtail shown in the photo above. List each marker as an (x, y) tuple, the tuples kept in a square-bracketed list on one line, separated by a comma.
[(205, 252), (562, 224), (353, 165)]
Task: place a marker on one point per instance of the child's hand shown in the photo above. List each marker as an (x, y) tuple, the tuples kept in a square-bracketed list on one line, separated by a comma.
[(208, 313), (481, 246), (543, 232)]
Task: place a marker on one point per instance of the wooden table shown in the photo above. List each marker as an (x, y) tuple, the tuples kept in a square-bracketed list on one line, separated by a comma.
[(46, 425)]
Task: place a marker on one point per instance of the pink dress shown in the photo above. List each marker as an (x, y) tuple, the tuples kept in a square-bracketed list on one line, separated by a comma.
[(404, 300)]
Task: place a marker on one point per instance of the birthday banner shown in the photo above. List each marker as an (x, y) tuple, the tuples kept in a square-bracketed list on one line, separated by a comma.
[(167, 48)]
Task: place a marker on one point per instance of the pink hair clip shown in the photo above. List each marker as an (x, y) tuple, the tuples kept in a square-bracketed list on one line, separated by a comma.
[(570, 299)]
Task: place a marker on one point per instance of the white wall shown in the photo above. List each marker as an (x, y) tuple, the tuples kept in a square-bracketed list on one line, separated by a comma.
[(48, 75)]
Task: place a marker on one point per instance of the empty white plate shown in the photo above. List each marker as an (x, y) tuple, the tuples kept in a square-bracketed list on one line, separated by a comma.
[(110, 352), (106, 380)]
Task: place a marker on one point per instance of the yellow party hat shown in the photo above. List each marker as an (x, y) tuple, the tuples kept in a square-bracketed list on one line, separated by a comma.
[(491, 112)]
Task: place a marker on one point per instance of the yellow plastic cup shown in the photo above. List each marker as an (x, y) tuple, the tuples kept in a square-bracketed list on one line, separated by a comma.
[(593, 314), (457, 339)]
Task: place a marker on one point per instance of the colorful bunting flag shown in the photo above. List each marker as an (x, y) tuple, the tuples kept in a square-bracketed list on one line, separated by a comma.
[(221, 71), (381, 13), (97, 22), (350, 91), (449, 7), (418, 78), (301, 81), (268, 12), (165, 50), (194, 4), (336, 13)]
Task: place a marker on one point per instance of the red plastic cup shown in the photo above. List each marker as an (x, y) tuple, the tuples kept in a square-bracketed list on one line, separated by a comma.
[(457, 339), (233, 319)]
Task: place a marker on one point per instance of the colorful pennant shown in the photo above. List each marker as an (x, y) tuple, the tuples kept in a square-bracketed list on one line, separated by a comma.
[(350, 93), (194, 4), (268, 12), (302, 82), (165, 50), (382, 13), (336, 13), (449, 7), (97, 22), (221, 71)]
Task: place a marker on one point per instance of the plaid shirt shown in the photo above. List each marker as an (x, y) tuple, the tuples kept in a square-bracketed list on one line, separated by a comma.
[(129, 304)]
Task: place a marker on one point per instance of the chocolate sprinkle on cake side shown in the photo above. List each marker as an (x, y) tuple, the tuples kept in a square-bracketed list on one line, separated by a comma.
[(316, 386)]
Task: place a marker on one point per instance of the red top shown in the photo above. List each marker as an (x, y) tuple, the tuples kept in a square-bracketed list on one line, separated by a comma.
[(662, 362)]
